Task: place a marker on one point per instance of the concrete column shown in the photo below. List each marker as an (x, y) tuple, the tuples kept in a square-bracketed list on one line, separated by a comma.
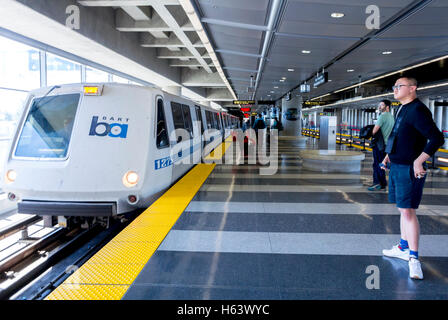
[(431, 106), (291, 116), (438, 114), (445, 124), (173, 90)]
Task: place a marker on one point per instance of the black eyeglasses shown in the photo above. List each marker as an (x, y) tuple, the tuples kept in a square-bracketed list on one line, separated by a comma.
[(398, 87)]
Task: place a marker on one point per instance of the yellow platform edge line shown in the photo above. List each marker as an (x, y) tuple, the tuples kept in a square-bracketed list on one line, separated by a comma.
[(104, 274)]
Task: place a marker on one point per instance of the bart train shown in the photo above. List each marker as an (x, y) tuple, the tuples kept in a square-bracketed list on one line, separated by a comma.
[(102, 149)]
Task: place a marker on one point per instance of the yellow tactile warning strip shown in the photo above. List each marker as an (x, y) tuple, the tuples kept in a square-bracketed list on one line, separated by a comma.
[(110, 272)]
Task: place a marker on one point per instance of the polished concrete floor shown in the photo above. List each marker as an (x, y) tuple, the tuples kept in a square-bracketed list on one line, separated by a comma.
[(296, 235)]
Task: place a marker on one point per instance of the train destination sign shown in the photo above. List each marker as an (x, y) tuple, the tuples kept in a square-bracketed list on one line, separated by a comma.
[(313, 103), (243, 101)]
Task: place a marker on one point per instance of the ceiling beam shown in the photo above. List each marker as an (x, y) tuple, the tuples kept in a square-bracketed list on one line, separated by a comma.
[(183, 53), (201, 78), (122, 3), (170, 20), (148, 41), (234, 24)]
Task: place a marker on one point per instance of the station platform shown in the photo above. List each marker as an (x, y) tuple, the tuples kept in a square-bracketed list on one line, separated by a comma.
[(227, 232)]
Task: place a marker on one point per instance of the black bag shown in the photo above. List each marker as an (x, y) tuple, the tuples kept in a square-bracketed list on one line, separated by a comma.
[(366, 132), (378, 141)]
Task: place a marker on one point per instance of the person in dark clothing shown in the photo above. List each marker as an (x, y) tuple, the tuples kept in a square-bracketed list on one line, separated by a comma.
[(413, 140), (277, 125), (259, 123), (381, 132)]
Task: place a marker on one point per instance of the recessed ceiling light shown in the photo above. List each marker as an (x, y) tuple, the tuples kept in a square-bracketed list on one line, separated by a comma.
[(269, 95), (306, 51), (337, 15), (350, 70), (290, 70), (275, 87), (387, 52), (282, 80)]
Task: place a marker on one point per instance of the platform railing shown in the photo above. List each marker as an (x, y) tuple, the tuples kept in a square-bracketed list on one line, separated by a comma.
[(352, 140)]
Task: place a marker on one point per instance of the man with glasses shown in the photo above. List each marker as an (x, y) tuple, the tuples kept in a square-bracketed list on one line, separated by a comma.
[(414, 139)]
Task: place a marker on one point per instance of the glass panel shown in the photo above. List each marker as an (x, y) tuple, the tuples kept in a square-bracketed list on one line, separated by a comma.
[(95, 75), (187, 119), (119, 79), (11, 106), (208, 117), (162, 134), (199, 118), (19, 65), (62, 71), (48, 127)]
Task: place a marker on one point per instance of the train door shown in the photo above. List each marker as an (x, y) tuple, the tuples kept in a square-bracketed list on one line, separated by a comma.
[(182, 147), (162, 160)]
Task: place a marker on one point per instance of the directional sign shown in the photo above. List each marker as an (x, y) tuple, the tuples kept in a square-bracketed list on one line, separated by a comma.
[(243, 101)]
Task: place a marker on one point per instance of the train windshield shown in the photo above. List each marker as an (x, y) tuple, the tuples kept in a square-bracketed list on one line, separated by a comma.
[(48, 127)]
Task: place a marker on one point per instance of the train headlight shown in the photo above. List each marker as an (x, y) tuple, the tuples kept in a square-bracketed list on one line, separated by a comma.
[(130, 179), (11, 176)]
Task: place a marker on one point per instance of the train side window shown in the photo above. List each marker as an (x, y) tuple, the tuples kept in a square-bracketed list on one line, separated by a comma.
[(199, 118), (178, 118), (187, 119), (162, 140), (208, 117), (218, 121)]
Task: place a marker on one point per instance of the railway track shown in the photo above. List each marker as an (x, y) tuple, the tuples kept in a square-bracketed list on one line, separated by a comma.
[(38, 267)]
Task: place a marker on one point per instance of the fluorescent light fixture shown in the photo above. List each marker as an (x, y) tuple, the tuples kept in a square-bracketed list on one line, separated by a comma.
[(275, 87), (272, 91), (306, 51), (291, 70), (321, 96), (350, 70), (392, 73), (337, 15), (386, 52), (282, 80)]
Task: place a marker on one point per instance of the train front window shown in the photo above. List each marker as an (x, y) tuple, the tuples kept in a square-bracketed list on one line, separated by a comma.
[(48, 127)]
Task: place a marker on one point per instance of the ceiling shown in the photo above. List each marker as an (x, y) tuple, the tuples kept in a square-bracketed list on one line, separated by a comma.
[(413, 31)]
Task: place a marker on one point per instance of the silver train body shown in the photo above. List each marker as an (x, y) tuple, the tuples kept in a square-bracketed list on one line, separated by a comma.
[(105, 149)]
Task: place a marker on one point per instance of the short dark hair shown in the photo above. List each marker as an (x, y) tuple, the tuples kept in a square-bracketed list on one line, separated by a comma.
[(411, 80), (386, 102)]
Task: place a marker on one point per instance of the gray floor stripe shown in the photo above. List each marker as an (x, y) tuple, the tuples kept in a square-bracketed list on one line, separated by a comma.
[(308, 176), (309, 208), (295, 243), (357, 187)]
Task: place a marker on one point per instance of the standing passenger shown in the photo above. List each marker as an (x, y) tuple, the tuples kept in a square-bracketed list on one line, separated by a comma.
[(414, 139), (383, 127)]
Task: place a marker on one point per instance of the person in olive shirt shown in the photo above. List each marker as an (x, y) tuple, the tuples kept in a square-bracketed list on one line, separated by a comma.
[(414, 139), (384, 125)]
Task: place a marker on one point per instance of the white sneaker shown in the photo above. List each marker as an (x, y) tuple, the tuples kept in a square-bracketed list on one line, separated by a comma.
[(395, 252), (415, 269)]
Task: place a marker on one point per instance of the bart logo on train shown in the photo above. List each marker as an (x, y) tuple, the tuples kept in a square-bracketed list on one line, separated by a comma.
[(114, 130)]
